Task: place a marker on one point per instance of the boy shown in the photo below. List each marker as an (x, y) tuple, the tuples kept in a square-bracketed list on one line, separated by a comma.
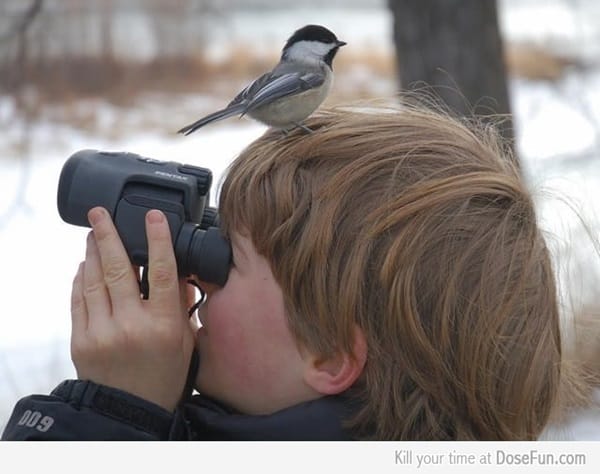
[(389, 281)]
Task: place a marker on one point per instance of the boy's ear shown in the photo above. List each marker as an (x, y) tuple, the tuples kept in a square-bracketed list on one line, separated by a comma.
[(337, 373)]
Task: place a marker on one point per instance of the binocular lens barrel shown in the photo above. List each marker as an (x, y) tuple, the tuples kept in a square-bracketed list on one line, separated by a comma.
[(128, 186)]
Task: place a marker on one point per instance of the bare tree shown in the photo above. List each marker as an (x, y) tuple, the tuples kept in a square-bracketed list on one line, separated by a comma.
[(18, 31), (453, 47), (20, 26)]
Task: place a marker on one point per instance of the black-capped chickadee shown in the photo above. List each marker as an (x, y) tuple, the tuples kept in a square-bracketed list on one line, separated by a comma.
[(293, 90)]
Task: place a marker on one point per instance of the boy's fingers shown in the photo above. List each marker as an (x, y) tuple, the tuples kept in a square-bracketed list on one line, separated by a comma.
[(79, 314), (117, 271), (162, 275), (94, 290)]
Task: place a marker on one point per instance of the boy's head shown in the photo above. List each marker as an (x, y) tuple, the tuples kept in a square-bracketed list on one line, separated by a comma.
[(418, 234)]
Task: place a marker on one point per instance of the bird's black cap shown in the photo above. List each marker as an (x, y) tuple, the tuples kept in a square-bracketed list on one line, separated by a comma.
[(312, 33)]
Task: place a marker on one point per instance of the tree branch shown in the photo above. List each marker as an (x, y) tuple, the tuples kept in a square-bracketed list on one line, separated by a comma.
[(20, 26)]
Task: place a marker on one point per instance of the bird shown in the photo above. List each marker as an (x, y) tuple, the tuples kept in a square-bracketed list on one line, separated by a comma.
[(285, 96)]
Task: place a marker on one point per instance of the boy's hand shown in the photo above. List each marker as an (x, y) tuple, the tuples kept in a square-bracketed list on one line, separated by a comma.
[(118, 339)]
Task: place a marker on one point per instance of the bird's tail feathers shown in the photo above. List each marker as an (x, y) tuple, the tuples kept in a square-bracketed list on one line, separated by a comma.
[(214, 117)]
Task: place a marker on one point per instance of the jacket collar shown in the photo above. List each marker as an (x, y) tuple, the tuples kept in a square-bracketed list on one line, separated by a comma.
[(317, 420)]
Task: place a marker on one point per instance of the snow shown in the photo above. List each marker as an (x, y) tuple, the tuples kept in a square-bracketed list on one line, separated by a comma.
[(558, 142)]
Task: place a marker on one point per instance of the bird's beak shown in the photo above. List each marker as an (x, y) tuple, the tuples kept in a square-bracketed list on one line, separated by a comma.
[(341, 43)]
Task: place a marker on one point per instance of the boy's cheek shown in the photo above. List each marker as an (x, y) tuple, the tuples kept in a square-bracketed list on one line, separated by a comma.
[(222, 342), (227, 371)]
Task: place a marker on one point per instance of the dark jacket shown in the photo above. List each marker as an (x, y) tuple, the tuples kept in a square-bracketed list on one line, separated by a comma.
[(83, 410)]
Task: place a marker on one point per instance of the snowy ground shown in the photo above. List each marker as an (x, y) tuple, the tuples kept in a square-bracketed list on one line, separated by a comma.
[(558, 136)]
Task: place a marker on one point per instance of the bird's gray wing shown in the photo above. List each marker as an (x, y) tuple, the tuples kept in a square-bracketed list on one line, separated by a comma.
[(248, 92), (281, 86)]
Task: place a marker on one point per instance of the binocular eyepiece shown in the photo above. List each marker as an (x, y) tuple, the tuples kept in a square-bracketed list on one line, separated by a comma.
[(128, 186)]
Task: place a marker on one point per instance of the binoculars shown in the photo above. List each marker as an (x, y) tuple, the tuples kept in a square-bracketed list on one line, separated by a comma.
[(128, 186)]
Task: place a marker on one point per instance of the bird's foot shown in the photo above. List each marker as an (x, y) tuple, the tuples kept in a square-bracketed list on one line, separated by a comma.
[(303, 127)]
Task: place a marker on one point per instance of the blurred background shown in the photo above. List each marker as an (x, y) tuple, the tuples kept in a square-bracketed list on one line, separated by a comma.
[(126, 75)]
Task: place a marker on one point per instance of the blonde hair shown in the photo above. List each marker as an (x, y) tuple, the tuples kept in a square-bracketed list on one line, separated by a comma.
[(419, 229)]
